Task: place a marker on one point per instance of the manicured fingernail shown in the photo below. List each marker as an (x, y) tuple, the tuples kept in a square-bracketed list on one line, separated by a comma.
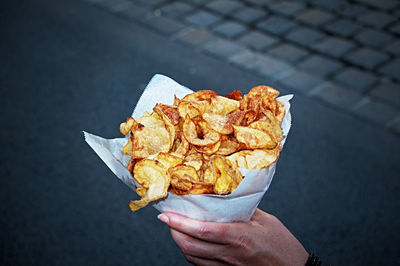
[(163, 218)]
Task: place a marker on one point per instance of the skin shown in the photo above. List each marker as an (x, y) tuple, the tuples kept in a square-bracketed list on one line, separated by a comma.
[(264, 240)]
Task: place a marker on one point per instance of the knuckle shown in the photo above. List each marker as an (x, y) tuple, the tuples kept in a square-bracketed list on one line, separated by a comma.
[(186, 246), (204, 232)]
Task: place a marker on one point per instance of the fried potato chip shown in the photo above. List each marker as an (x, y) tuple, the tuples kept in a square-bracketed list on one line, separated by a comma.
[(279, 112), (181, 145), (235, 95), (183, 177), (209, 149), (154, 179), (207, 136), (168, 111), (194, 159), (254, 159), (254, 138), (166, 159), (160, 109), (217, 105), (201, 189), (252, 99), (223, 180), (199, 96), (275, 125), (150, 138), (187, 108), (126, 127), (127, 149), (223, 123), (228, 146), (265, 126)]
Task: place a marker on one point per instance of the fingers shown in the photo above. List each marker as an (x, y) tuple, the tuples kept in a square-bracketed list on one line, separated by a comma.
[(202, 261), (220, 233), (198, 248)]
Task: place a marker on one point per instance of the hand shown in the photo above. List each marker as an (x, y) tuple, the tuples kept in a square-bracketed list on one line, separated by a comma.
[(264, 240)]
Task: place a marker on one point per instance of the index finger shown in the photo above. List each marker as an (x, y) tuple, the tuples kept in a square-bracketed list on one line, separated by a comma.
[(220, 233)]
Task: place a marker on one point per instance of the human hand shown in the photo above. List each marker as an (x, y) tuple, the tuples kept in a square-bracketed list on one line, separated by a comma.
[(264, 240)]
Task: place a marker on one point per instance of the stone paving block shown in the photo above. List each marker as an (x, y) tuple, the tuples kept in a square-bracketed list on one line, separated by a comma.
[(315, 16), (352, 10), (224, 6), (262, 64), (257, 40), (320, 66), (229, 29), (395, 28), (197, 37), (343, 27), (334, 46), (393, 47), (329, 4), (203, 18), (376, 18), (367, 58), (388, 91), (337, 95), (176, 9), (271, 68), (222, 48), (374, 38), (287, 8), (246, 59), (165, 25), (356, 79), (304, 36), (301, 81), (249, 14), (288, 52), (386, 4), (377, 111), (276, 24), (392, 69)]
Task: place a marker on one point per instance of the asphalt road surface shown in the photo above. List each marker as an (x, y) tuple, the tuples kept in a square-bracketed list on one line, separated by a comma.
[(67, 67)]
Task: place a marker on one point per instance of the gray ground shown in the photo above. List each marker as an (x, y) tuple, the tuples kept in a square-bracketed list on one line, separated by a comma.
[(67, 67)]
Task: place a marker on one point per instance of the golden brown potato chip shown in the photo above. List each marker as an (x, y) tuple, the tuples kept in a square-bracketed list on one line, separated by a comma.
[(159, 109), (190, 132), (223, 123), (217, 105), (235, 95), (181, 145), (252, 99), (279, 112), (168, 111), (265, 126), (201, 189), (228, 146), (127, 149), (199, 96), (166, 159), (254, 138), (223, 180), (275, 125), (154, 179), (126, 127), (254, 159), (187, 108), (194, 159), (209, 149), (150, 138)]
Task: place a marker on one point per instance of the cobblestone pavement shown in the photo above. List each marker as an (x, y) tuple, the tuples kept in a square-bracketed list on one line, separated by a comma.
[(342, 53)]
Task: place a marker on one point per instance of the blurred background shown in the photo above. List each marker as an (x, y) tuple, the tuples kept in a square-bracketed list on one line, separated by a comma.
[(68, 66)]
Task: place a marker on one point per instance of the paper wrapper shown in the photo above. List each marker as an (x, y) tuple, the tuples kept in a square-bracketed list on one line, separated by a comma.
[(237, 206)]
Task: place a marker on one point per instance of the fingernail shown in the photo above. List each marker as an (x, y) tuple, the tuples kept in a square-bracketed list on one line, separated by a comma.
[(163, 218)]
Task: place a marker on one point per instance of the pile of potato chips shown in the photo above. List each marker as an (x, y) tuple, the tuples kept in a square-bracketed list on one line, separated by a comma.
[(197, 145)]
